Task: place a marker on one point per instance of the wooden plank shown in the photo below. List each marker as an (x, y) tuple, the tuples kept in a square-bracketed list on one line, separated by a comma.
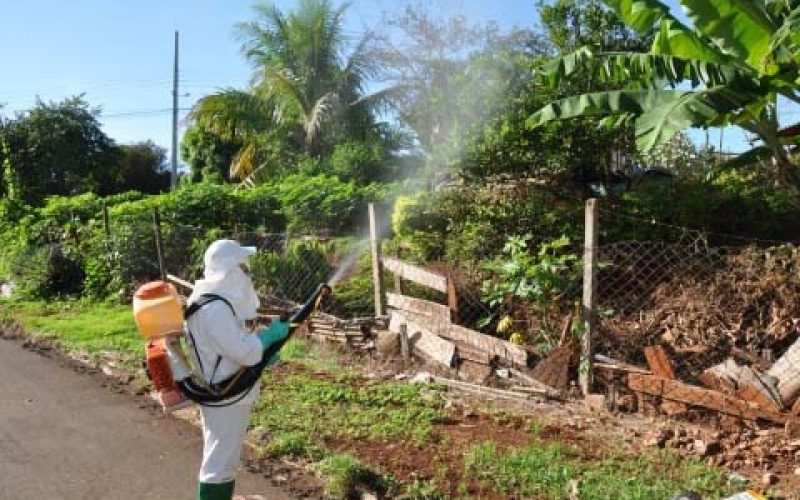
[(589, 301), (452, 300), (675, 390), (416, 274), (743, 382), (474, 372), (658, 362), (715, 382), (661, 367), (375, 240), (484, 391), (432, 310), (432, 346), (538, 391), (554, 369), (607, 363), (620, 368), (756, 396), (673, 408), (468, 352), (492, 345), (180, 282), (423, 340)]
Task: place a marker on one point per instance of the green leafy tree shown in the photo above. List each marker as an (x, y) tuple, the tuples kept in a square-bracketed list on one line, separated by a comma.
[(323, 201), (708, 74), (307, 92), (208, 155), (545, 280), (447, 77), (571, 24), (681, 157), (56, 149), (142, 167), (578, 152)]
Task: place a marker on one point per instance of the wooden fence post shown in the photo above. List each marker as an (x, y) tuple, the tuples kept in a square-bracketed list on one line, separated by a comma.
[(159, 244), (589, 315), (107, 233), (452, 298), (377, 265), (405, 352)]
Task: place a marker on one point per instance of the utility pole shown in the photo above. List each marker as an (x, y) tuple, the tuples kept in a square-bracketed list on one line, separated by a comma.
[(174, 150)]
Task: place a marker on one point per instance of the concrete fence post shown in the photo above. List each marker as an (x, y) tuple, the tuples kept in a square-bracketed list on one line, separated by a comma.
[(589, 316)]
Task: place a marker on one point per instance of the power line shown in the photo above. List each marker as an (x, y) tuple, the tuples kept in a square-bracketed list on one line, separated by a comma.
[(140, 112)]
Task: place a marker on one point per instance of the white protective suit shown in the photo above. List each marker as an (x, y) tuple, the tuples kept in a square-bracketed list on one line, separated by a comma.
[(224, 345)]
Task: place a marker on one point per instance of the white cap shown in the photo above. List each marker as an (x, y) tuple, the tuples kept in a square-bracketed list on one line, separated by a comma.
[(224, 255)]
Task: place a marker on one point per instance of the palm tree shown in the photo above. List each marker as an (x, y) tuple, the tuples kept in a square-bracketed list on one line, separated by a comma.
[(728, 69), (304, 88)]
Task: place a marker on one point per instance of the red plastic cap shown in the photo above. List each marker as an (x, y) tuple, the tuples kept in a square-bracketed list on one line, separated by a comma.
[(153, 290)]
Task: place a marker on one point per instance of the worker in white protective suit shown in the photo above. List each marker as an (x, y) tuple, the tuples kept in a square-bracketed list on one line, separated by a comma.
[(222, 346)]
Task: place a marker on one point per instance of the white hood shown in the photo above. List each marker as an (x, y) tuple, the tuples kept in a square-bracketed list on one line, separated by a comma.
[(223, 276)]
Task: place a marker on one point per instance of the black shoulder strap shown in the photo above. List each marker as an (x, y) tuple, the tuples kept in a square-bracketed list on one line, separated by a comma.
[(206, 298)]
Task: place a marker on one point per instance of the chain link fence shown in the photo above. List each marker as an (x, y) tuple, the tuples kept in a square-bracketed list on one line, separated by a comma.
[(724, 315), (705, 299)]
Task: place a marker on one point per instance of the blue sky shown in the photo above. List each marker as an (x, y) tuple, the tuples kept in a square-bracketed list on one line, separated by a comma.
[(120, 53)]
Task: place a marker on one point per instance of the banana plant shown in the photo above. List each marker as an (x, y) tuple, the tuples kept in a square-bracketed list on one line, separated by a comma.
[(727, 68)]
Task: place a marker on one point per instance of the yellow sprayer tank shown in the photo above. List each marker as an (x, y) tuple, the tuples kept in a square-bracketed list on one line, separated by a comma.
[(157, 310)]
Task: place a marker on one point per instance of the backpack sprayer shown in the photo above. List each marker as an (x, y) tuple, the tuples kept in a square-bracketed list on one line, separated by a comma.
[(160, 318)]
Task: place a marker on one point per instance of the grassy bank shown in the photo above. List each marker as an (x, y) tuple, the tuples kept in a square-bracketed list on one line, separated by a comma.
[(402, 440)]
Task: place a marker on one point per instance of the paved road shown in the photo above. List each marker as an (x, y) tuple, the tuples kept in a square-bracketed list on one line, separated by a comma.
[(65, 436)]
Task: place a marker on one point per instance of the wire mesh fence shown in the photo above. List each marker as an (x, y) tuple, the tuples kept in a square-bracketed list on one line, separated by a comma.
[(704, 300), (722, 318)]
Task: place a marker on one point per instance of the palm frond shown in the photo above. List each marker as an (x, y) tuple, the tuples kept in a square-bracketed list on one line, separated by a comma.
[(244, 163), (232, 113), (316, 120)]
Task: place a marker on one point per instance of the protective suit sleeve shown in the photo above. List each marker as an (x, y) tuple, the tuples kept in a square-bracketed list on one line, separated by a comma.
[(227, 335)]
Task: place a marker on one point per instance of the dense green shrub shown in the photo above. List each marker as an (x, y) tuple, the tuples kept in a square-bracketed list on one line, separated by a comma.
[(46, 272), (471, 224), (419, 227), (734, 208), (313, 203)]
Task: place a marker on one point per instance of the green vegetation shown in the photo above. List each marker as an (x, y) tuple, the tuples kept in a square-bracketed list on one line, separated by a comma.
[(347, 407), (545, 471), (310, 402), (304, 148), (699, 75), (79, 326)]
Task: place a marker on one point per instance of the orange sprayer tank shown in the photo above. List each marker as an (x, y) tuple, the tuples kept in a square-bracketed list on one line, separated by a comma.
[(160, 373), (157, 310)]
